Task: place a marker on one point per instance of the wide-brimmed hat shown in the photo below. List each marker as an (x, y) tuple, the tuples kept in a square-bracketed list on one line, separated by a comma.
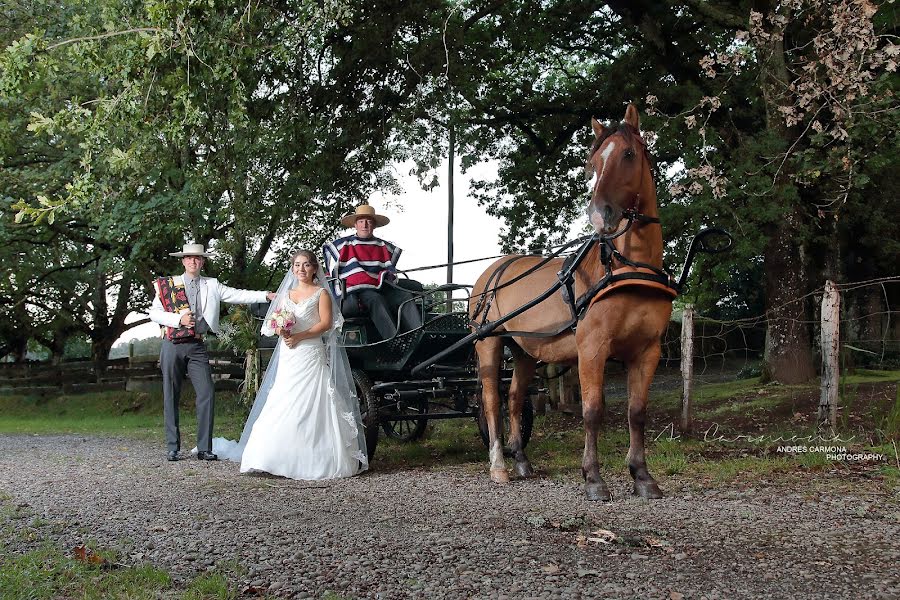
[(364, 210), (192, 250)]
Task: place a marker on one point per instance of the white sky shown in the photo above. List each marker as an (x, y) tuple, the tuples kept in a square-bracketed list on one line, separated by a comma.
[(419, 226)]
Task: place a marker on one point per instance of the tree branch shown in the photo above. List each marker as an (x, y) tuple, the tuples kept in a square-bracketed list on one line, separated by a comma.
[(104, 35)]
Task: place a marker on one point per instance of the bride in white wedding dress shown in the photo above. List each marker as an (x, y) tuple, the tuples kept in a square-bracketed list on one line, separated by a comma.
[(305, 423)]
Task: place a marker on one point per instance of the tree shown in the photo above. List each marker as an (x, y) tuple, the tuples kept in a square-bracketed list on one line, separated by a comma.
[(770, 148), (826, 102), (252, 126)]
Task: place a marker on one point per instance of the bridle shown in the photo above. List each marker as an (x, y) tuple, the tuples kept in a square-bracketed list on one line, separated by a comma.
[(631, 211)]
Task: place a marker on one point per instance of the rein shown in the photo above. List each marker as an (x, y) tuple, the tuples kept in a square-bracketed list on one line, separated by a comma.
[(636, 273), (565, 279)]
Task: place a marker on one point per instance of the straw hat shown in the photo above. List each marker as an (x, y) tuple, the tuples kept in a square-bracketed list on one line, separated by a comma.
[(364, 210), (192, 250)]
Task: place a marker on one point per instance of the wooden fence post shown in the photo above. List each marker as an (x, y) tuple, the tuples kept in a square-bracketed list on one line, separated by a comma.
[(687, 367), (831, 347)]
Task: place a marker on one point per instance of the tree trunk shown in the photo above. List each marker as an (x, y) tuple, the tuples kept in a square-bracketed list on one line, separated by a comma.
[(57, 347), (99, 334), (788, 354)]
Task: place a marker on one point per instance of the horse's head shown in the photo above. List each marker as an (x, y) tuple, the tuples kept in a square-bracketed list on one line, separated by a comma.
[(620, 167)]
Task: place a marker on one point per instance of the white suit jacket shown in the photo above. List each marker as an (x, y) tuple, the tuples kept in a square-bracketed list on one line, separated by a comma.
[(212, 293)]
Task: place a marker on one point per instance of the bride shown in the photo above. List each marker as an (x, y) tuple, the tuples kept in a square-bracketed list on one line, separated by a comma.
[(305, 422)]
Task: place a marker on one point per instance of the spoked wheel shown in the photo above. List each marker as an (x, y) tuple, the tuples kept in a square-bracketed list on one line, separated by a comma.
[(526, 424), (406, 430), (368, 408)]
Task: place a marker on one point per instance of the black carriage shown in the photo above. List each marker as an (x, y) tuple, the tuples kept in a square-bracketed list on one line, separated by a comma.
[(391, 398)]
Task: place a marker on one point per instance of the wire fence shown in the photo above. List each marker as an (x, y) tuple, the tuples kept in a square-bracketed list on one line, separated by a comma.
[(864, 317), (852, 326)]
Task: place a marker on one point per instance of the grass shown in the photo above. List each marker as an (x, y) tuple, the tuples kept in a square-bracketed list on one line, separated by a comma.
[(47, 573), (556, 444), (33, 568), (132, 414)]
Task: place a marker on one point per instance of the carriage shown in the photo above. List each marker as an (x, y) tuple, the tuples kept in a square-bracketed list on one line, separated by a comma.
[(393, 399)]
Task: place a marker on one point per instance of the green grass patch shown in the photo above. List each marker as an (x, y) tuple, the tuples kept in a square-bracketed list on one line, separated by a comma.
[(47, 573), (867, 376), (445, 442), (210, 586), (33, 568), (708, 394), (557, 440), (744, 406), (134, 414), (730, 469)]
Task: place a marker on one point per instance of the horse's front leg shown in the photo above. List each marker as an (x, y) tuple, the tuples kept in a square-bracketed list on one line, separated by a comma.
[(490, 353), (518, 391), (590, 373), (640, 376)]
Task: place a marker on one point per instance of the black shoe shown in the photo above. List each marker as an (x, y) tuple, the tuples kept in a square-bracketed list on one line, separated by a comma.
[(203, 455), (172, 456)]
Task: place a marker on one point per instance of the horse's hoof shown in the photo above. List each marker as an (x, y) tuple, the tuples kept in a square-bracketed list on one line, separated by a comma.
[(499, 476), (524, 469), (648, 490), (597, 492)]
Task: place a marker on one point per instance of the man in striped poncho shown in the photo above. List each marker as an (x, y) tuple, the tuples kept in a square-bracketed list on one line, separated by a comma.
[(365, 262)]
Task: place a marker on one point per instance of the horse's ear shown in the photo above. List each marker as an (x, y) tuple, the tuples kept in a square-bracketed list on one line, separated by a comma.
[(632, 117), (598, 128)]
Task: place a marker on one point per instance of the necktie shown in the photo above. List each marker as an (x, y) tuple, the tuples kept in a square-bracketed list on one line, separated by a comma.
[(195, 292)]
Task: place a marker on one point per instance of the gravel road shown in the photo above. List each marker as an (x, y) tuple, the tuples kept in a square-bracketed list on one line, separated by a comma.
[(450, 533)]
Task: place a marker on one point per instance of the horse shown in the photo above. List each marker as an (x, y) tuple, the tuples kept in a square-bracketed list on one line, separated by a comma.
[(626, 320)]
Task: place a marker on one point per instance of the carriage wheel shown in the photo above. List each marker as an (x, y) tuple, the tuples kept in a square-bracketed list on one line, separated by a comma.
[(526, 425), (407, 430), (368, 408)]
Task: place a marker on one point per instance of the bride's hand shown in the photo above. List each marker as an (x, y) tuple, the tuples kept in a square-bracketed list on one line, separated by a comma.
[(292, 340)]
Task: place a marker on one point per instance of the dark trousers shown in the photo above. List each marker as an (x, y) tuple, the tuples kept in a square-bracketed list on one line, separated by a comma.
[(176, 361), (383, 315)]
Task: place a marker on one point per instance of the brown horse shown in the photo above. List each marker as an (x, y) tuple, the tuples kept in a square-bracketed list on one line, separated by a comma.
[(626, 321)]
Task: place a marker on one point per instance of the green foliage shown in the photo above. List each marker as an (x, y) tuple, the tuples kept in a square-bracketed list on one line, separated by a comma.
[(239, 331), (129, 128)]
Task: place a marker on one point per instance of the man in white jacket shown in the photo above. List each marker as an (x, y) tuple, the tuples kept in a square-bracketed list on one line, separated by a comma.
[(188, 355)]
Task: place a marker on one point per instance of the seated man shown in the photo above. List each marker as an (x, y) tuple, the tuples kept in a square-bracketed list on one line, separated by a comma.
[(365, 262)]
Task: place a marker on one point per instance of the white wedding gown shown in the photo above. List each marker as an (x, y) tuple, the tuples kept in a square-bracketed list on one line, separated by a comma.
[(300, 432)]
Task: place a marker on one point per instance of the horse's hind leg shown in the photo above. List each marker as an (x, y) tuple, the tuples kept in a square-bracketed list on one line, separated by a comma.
[(490, 355), (518, 391), (640, 375)]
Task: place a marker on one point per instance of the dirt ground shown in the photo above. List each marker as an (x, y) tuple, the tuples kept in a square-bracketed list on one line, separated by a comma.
[(450, 533)]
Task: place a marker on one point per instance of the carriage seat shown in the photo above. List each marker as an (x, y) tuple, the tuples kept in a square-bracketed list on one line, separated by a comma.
[(354, 313)]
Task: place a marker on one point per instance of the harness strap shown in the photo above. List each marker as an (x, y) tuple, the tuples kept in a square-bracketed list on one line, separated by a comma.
[(487, 298), (635, 277)]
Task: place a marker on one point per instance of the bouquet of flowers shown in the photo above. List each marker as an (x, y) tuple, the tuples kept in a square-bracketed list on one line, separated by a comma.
[(282, 318)]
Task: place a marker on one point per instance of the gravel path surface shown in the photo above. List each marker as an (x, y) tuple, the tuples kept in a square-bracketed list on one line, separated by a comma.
[(450, 533)]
